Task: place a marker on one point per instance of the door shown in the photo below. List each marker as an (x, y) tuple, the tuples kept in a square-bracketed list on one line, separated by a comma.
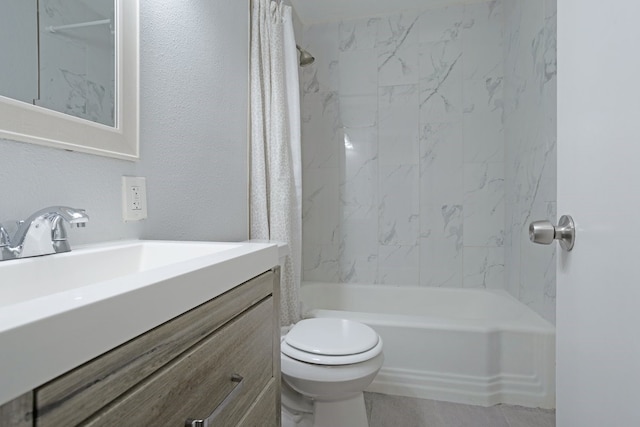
[(598, 285)]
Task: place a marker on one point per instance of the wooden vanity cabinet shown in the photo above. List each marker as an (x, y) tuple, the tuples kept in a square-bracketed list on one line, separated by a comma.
[(222, 356)]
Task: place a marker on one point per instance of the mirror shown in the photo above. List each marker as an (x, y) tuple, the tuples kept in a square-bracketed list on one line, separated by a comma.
[(70, 78), (60, 55)]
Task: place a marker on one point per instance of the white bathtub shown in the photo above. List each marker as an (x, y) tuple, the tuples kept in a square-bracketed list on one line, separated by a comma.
[(471, 346)]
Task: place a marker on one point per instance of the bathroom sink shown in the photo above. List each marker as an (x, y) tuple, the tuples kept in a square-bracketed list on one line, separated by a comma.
[(59, 311), (29, 278)]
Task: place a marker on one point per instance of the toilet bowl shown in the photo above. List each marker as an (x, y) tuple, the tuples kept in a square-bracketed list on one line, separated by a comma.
[(331, 362)]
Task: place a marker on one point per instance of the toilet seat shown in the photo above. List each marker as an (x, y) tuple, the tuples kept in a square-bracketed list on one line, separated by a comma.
[(326, 341)]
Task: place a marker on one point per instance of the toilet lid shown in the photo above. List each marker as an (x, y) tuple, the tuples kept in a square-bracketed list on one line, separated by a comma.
[(331, 337), (321, 359)]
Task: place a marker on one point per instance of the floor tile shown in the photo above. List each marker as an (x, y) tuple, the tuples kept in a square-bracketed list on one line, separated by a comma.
[(396, 411), (459, 415), (518, 416)]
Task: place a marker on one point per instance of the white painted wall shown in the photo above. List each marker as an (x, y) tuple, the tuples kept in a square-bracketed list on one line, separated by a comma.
[(194, 66), (194, 118)]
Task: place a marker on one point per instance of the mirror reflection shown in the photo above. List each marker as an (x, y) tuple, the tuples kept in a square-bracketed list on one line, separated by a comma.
[(60, 55)]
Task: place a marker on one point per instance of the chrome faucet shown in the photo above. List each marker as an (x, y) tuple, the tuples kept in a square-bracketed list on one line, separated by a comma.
[(43, 233), (5, 244)]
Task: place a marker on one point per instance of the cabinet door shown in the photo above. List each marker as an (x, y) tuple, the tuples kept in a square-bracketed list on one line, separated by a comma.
[(198, 381), (17, 412), (77, 395)]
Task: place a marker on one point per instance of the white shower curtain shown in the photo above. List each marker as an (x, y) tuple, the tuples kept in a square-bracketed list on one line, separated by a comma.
[(275, 191)]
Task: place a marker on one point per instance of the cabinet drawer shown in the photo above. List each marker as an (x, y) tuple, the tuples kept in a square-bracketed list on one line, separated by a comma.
[(77, 395), (263, 412), (197, 382)]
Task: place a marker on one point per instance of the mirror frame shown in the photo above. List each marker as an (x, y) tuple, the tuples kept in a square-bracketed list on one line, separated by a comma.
[(24, 122)]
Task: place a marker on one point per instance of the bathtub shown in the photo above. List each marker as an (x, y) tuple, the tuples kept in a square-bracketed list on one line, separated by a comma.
[(480, 347)]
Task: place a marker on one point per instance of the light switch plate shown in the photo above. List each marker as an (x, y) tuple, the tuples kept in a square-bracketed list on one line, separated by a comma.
[(134, 198)]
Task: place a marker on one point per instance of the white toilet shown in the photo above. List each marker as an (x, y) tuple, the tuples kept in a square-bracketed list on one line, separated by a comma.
[(331, 362), (326, 364)]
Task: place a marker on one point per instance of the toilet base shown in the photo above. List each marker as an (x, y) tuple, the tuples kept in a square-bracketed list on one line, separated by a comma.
[(350, 412), (296, 420)]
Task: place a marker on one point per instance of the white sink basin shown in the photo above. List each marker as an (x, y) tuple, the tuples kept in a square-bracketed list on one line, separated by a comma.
[(29, 278), (59, 311)]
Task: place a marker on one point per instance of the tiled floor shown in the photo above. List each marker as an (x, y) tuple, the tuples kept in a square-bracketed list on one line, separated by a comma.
[(397, 411)]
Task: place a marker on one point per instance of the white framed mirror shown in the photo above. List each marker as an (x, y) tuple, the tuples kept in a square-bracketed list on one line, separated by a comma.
[(98, 110)]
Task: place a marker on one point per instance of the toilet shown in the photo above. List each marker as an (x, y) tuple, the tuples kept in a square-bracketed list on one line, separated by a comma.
[(326, 364), (329, 362)]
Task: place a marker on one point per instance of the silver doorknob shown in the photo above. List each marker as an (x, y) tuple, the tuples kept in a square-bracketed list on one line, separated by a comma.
[(544, 233)]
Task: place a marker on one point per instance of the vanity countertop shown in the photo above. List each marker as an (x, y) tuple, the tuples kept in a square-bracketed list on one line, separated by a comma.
[(59, 311)]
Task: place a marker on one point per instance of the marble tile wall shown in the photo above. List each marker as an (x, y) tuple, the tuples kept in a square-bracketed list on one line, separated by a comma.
[(403, 149), (530, 135)]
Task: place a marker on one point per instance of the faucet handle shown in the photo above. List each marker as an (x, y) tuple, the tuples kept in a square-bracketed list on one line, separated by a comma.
[(5, 241), (7, 230), (75, 217), (6, 251)]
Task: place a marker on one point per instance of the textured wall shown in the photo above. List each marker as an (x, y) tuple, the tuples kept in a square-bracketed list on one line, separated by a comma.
[(530, 132), (403, 149), (193, 137), (194, 118)]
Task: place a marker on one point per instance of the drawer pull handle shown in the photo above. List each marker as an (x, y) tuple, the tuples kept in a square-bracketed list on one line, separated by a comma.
[(236, 378)]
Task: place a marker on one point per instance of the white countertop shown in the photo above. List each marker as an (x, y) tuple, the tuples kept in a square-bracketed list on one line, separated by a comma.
[(44, 337)]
